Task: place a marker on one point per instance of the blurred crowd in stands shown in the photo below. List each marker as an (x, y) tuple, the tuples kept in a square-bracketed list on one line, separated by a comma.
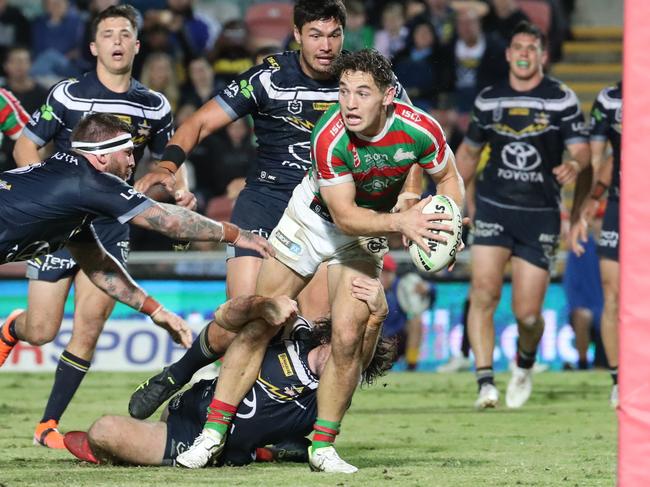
[(443, 52)]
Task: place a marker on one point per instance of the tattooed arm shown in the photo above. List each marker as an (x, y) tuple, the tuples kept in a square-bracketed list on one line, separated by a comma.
[(111, 278), (182, 224), (237, 312)]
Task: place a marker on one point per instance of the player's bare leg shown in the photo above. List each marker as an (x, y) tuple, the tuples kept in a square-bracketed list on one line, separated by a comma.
[(241, 365), (609, 275), (488, 264), (529, 284), (92, 309), (313, 301), (343, 369), (118, 439), (39, 325), (581, 320), (241, 275), (45, 304)]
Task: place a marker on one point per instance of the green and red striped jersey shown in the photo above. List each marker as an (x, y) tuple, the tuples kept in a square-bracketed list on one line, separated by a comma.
[(13, 116), (377, 165)]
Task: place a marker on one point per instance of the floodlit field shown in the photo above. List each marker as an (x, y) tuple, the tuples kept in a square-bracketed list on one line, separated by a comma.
[(408, 430)]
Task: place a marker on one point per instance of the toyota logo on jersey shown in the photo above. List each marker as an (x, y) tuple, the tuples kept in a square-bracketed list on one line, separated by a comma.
[(520, 156)]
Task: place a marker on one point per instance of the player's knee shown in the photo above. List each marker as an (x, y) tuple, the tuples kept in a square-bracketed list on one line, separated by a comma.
[(100, 432), (484, 296), (529, 321), (38, 335)]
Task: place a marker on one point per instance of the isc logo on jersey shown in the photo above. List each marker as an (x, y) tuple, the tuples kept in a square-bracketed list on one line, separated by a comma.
[(411, 116), (441, 254)]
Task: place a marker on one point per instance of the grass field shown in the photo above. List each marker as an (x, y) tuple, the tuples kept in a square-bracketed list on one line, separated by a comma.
[(409, 430)]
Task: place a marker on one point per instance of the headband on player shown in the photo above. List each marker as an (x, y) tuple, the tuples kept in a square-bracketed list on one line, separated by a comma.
[(122, 141)]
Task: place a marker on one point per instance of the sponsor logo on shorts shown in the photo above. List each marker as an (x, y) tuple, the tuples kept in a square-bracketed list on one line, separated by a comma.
[(5, 185), (124, 249), (285, 364), (486, 229), (377, 245), (608, 238), (548, 238), (288, 243), (53, 263)]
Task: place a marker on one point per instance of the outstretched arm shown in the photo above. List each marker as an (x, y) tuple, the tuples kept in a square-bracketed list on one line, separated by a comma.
[(111, 278), (183, 224)]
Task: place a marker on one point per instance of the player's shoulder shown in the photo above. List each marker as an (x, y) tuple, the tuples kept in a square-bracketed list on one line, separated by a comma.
[(152, 99), (330, 123), (611, 96), (489, 97), (414, 116), (555, 89)]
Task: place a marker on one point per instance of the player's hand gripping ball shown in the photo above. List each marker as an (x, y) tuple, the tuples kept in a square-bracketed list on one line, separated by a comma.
[(441, 255)]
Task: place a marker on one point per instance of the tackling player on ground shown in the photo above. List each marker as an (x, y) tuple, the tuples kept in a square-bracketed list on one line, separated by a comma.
[(362, 150), (55, 202), (524, 124), (108, 89), (606, 125), (280, 406)]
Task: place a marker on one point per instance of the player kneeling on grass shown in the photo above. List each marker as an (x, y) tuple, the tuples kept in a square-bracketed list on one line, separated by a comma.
[(280, 408), (50, 205)]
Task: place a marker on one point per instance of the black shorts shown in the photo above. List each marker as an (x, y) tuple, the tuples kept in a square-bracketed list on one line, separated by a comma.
[(187, 414), (609, 234), (260, 421), (532, 235), (114, 237), (258, 209)]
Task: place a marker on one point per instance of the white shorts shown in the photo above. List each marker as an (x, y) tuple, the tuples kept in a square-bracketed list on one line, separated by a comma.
[(303, 239)]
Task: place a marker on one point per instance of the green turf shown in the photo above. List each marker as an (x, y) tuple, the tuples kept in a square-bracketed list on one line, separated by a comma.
[(409, 430)]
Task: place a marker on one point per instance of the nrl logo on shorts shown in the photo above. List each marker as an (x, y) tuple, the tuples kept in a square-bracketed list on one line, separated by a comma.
[(5, 185)]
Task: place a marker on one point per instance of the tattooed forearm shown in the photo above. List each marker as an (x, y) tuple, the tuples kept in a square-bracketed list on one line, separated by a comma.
[(107, 275), (180, 223), (238, 311)]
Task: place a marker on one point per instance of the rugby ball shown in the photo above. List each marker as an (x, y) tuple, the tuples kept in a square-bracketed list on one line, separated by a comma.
[(440, 254)]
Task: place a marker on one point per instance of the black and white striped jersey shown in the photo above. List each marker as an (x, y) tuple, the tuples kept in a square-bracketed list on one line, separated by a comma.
[(606, 124), (524, 135), (148, 112), (285, 105)]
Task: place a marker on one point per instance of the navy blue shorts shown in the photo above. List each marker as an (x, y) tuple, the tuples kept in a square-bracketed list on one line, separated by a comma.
[(114, 237), (258, 209), (582, 283), (609, 234), (532, 235), (187, 414)]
